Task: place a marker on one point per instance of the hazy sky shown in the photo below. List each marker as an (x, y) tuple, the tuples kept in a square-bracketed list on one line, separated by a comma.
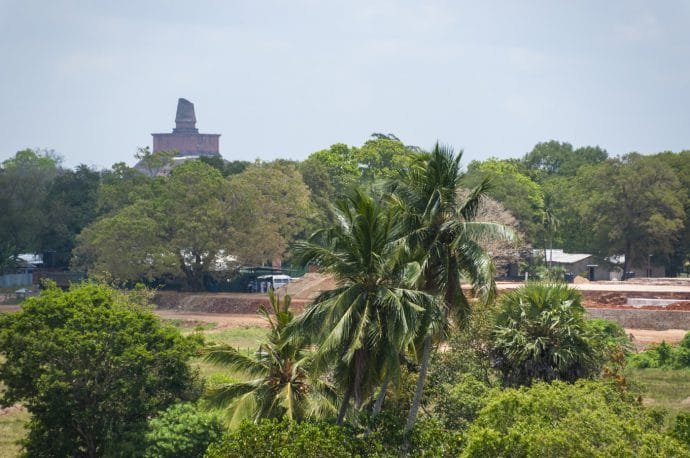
[(93, 79)]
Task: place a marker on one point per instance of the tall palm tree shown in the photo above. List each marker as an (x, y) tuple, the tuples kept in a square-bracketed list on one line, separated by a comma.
[(440, 228), (370, 318), (278, 382)]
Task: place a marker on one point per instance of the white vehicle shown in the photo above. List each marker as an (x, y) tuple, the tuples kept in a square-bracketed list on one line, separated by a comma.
[(272, 281)]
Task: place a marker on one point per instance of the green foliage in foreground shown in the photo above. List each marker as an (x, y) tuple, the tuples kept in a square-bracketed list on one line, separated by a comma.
[(286, 439), (663, 356), (182, 431), (681, 428), (90, 365), (560, 419)]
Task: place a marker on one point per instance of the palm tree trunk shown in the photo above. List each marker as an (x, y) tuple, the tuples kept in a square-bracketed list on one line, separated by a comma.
[(379, 400), (343, 406), (378, 404), (416, 401)]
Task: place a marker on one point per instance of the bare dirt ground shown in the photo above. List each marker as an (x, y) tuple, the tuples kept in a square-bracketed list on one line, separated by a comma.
[(643, 338), (228, 310), (222, 320)]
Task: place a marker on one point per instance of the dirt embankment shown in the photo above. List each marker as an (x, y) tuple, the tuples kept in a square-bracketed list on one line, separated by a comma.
[(602, 299), (302, 291)]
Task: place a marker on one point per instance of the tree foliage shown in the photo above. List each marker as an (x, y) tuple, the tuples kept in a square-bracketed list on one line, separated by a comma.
[(184, 230), (69, 206), (90, 365), (286, 439), (552, 158), (24, 183), (635, 207), (518, 193), (270, 208), (182, 431), (560, 419), (540, 333)]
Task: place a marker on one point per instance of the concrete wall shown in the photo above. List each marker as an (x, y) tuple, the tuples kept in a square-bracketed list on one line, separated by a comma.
[(15, 280), (658, 320)]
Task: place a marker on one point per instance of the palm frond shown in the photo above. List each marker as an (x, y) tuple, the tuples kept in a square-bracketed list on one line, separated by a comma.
[(234, 361)]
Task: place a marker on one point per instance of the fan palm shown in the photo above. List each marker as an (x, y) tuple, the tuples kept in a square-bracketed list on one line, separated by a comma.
[(540, 333), (278, 382), (368, 320), (439, 228)]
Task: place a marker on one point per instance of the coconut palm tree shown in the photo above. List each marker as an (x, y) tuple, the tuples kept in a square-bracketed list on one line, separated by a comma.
[(365, 323), (278, 382), (540, 333), (440, 229)]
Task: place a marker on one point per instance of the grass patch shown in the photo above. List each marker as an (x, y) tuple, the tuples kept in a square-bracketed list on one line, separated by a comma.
[(185, 326), (664, 388), (243, 338), (12, 430), (246, 339)]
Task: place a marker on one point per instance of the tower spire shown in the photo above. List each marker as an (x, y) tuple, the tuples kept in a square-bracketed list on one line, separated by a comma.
[(185, 119)]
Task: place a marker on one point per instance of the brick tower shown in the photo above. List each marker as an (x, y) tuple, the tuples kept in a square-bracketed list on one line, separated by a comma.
[(185, 138)]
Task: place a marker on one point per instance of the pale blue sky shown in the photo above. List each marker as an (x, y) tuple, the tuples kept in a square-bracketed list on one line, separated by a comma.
[(93, 79)]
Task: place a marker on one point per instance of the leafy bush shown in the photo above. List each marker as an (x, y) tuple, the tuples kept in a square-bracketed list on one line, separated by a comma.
[(469, 352), (286, 439), (91, 365), (458, 405), (609, 334), (663, 356), (681, 428), (560, 419), (685, 342), (428, 438), (182, 431)]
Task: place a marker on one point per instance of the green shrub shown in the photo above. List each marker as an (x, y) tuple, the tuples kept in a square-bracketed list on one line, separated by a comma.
[(559, 419), (609, 334), (182, 431), (286, 439), (681, 428), (429, 438), (685, 342), (663, 356), (458, 405)]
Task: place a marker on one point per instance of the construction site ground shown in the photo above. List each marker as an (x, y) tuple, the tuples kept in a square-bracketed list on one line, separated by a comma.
[(602, 299)]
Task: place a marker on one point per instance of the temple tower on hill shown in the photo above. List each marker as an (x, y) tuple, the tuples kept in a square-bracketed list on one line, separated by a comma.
[(185, 138)]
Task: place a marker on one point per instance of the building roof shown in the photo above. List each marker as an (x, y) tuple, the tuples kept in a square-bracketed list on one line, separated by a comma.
[(558, 256)]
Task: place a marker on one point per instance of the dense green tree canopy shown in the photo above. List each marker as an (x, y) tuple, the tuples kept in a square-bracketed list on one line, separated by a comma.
[(635, 206), (195, 222), (183, 230), (69, 206), (24, 183), (561, 419), (518, 193), (91, 365), (553, 158)]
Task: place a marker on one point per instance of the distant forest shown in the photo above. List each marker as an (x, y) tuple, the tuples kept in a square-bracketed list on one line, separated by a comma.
[(180, 225)]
